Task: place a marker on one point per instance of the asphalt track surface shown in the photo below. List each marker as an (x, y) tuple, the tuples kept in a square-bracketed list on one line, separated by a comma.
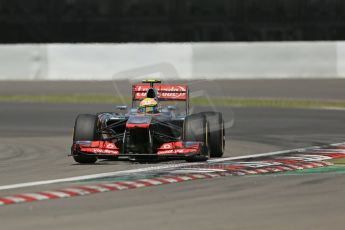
[(34, 143)]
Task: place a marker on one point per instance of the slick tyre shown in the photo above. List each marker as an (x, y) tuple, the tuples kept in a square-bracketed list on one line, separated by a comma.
[(216, 137), (85, 130), (195, 128)]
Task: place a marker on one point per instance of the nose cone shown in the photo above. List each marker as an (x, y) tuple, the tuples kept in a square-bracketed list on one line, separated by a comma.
[(138, 122)]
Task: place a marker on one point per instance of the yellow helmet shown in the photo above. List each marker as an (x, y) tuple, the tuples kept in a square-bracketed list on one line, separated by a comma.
[(148, 105)]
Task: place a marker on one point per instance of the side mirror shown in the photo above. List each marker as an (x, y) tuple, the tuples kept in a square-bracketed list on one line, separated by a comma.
[(171, 107), (133, 111), (121, 107)]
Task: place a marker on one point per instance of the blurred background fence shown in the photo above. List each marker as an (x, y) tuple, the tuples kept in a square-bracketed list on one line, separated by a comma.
[(239, 60)]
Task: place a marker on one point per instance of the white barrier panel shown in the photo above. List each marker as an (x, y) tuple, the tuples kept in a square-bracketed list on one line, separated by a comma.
[(100, 61), (23, 62), (341, 59), (191, 60), (266, 60)]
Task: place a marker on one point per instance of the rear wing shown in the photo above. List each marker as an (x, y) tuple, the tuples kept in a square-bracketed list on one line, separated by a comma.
[(165, 93)]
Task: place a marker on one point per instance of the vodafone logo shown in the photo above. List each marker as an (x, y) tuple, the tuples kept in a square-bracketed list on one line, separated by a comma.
[(142, 91), (110, 146), (178, 92), (167, 146), (165, 151), (173, 92), (104, 151)]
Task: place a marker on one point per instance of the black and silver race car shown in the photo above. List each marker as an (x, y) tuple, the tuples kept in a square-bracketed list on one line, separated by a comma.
[(168, 133)]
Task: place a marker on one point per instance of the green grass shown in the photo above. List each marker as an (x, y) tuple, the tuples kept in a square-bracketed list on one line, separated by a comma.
[(236, 102), (72, 99), (328, 169), (338, 161), (272, 102)]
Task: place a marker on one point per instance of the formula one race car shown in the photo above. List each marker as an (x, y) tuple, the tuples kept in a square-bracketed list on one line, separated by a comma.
[(151, 130)]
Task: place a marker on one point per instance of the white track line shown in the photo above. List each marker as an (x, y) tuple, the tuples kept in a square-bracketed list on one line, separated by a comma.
[(148, 169), (92, 176)]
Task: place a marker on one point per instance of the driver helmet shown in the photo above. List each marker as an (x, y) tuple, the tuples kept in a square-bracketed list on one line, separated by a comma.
[(148, 105)]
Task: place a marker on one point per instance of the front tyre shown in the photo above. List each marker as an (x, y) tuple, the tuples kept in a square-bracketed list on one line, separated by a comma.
[(85, 129), (216, 138), (195, 128)]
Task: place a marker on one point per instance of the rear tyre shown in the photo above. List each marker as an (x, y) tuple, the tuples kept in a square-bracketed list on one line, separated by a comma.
[(195, 128), (216, 138), (85, 130)]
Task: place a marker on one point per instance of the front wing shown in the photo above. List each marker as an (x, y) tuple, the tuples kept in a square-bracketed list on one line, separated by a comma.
[(104, 149)]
